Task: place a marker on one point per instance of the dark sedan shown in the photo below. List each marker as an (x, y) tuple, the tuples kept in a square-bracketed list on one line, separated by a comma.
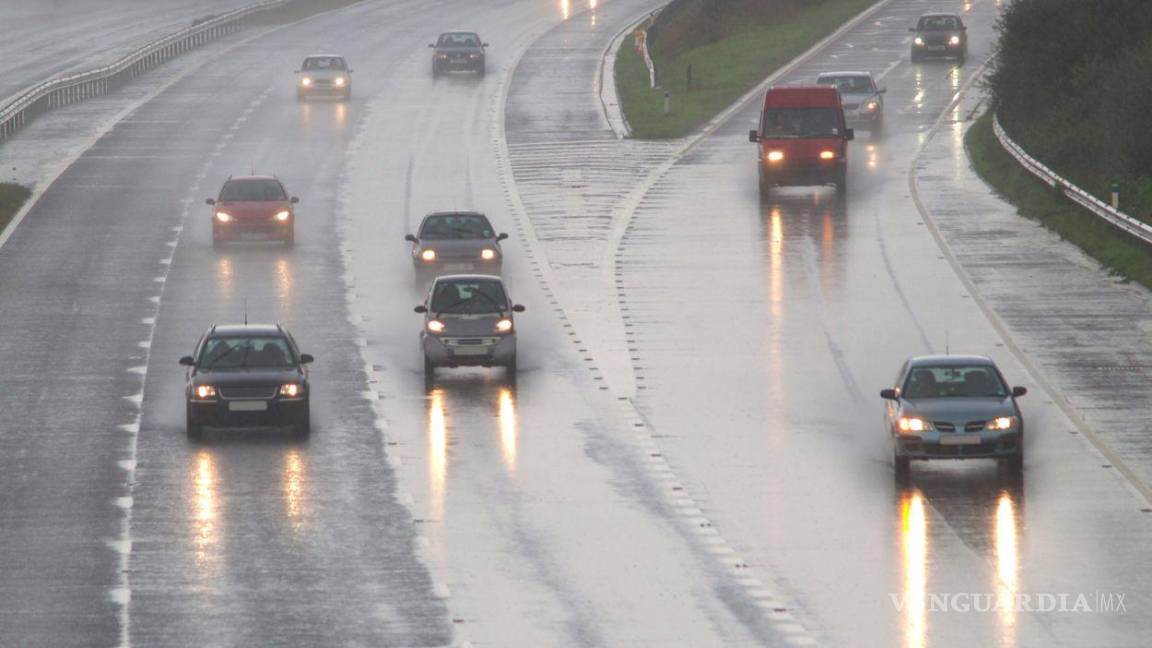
[(954, 407), (454, 242), (941, 35), (247, 374), (458, 51)]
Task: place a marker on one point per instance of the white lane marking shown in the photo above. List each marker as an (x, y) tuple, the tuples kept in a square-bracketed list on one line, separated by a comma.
[(891, 66)]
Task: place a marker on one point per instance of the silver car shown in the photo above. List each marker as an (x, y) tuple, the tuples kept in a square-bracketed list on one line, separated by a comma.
[(954, 407), (468, 321), (863, 101), (456, 242), (326, 75)]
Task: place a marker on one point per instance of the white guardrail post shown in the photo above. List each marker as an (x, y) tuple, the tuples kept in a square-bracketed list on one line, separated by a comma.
[(1101, 209), (55, 93)]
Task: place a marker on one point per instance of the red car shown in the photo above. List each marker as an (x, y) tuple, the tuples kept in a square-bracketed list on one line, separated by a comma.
[(253, 208), (803, 138)]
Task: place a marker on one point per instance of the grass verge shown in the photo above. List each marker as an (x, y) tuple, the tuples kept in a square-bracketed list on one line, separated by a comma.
[(1117, 251), (721, 71), (12, 198)]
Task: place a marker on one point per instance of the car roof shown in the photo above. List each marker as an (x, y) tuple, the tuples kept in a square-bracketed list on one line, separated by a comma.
[(468, 277), (324, 56), (940, 15), (252, 177), (460, 212), (246, 329), (459, 31), (844, 73), (950, 360)]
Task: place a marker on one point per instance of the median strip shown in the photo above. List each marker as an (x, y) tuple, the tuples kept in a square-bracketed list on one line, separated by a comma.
[(12, 198)]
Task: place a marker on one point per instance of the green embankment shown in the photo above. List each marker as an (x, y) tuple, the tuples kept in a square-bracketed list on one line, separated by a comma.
[(1036, 200), (731, 45), (12, 198)]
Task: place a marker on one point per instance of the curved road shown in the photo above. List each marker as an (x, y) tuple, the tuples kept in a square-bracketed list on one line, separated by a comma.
[(691, 455)]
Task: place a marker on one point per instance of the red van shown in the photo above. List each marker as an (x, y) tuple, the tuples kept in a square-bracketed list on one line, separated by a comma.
[(803, 138)]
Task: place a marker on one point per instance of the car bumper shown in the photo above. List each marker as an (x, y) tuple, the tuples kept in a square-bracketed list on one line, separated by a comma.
[(800, 174), (949, 446), (243, 413), (323, 91), (468, 352), (938, 50), (262, 230), (466, 64), (450, 266), (857, 118)]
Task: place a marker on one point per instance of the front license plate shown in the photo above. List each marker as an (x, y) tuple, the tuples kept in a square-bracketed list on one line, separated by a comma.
[(248, 406), (960, 439), (253, 236), (471, 351), (457, 267), (936, 48)]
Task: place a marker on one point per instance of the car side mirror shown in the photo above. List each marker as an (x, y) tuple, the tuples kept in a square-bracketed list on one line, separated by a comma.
[(1019, 391), (882, 91), (350, 70), (518, 308), (410, 237), (431, 44), (187, 361), (501, 236), (849, 134), (306, 358), (421, 309), (888, 394), (293, 200), (484, 45), (210, 201), (753, 136), (963, 27), (911, 29)]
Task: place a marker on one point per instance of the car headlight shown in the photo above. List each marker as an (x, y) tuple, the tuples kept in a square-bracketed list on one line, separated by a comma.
[(435, 326), (913, 424), (291, 390), (474, 56), (775, 156), (487, 254), (223, 217), (1001, 423), (283, 216), (504, 325), (305, 81), (955, 40), (918, 40), (441, 56), (428, 255), (871, 105), (827, 155), (204, 392), (340, 81)]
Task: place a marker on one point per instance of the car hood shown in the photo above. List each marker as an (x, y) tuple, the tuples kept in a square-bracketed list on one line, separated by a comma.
[(470, 325), (459, 50), (250, 376), (960, 409), (458, 248), (253, 209), (324, 74), (856, 97)]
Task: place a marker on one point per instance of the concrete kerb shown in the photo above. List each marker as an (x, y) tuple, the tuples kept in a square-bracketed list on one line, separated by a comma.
[(1140, 489), (609, 97)]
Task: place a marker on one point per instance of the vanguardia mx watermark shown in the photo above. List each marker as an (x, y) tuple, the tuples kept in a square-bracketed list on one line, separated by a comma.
[(963, 602)]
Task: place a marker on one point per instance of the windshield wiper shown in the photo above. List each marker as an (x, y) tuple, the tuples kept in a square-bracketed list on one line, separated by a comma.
[(220, 357)]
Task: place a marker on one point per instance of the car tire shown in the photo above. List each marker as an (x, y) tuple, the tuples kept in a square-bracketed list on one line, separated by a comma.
[(217, 242), (842, 184), (482, 70), (510, 369), (901, 468), (303, 423), (429, 373), (193, 429), (290, 240), (915, 58), (877, 128), (435, 70), (765, 187), (1014, 465)]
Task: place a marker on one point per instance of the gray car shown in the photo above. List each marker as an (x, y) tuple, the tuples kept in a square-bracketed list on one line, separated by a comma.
[(468, 321), (862, 99), (324, 75), (458, 51), (954, 407), (455, 242)]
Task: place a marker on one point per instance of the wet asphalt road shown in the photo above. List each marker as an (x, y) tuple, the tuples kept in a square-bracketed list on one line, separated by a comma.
[(690, 456)]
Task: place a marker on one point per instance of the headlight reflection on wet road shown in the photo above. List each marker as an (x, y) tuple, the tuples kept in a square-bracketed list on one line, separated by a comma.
[(206, 536), (437, 452), (1007, 566), (914, 556), (507, 419), (293, 485)]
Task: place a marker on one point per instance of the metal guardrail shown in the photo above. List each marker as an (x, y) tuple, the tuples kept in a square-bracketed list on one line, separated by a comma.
[(63, 91), (1133, 226)]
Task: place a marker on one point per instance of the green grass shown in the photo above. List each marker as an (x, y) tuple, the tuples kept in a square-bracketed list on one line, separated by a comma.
[(1117, 251), (721, 71), (12, 198)]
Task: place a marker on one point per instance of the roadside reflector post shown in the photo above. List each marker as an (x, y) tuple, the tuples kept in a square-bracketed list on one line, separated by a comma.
[(1115, 195), (667, 103)]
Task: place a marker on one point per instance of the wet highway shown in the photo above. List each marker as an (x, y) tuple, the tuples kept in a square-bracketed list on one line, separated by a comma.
[(691, 455)]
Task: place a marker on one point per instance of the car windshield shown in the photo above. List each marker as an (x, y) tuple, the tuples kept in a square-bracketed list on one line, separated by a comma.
[(965, 381), (801, 122), (261, 190), (245, 352), (458, 40), (854, 84), (324, 63), (456, 226), (939, 23), (469, 297)]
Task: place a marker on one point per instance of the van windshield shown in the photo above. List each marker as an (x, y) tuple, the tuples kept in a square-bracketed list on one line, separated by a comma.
[(800, 122)]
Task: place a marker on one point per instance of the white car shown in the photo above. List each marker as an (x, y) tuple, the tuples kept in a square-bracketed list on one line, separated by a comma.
[(324, 75), (863, 101)]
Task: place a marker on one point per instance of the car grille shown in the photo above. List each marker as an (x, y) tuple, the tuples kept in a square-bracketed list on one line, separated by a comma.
[(960, 451), (944, 426), (248, 391), (851, 106), (974, 426), (469, 341)]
